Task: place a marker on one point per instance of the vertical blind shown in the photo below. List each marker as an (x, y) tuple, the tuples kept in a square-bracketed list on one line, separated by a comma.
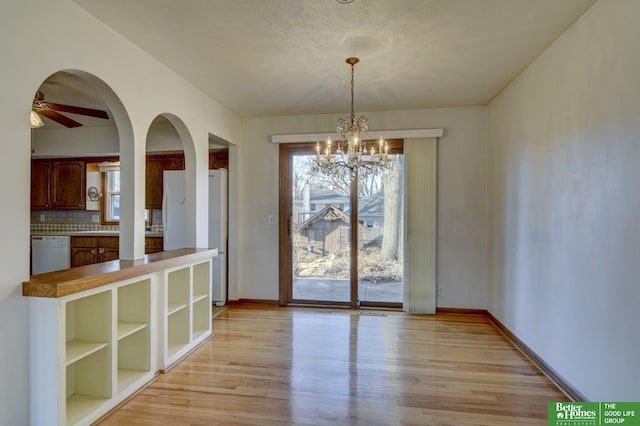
[(420, 230)]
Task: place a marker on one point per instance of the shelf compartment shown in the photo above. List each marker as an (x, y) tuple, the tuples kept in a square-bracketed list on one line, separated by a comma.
[(175, 307), (78, 406), (199, 297), (127, 377), (87, 320), (128, 328), (88, 384), (134, 332), (78, 349), (201, 317), (202, 279), (133, 358), (178, 331), (178, 286)]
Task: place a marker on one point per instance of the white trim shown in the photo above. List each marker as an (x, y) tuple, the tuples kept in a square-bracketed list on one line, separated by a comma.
[(373, 134)]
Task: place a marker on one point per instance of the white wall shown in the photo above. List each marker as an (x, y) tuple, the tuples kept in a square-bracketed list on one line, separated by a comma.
[(145, 88), (98, 140), (461, 198), (564, 150)]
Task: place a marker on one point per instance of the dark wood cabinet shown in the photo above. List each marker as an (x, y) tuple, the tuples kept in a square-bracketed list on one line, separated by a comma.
[(156, 164), (81, 256), (218, 159), (58, 185), (40, 185), (90, 250), (152, 245), (68, 180)]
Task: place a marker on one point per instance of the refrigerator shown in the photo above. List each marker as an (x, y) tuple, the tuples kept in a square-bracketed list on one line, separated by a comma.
[(174, 223), (218, 234), (173, 209)]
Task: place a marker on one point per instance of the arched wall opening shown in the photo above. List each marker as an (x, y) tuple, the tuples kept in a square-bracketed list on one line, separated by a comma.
[(171, 159), (78, 132)]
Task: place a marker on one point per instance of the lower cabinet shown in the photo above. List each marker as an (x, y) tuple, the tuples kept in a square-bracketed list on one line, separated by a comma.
[(90, 250), (109, 341), (153, 245)]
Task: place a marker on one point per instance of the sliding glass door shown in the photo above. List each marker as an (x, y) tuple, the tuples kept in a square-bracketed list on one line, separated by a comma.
[(340, 238)]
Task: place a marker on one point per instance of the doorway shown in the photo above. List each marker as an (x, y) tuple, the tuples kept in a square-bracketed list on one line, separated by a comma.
[(340, 238)]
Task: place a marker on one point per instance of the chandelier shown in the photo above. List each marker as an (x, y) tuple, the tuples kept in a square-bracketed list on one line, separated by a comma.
[(351, 152)]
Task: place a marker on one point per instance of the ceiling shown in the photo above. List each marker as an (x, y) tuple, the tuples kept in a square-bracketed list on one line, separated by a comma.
[(286, 57)]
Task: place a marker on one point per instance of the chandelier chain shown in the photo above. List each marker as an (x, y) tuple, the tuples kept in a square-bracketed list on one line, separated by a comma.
[(353, 113)]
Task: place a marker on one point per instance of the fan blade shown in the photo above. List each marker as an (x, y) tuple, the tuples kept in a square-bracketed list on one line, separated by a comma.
[(65, 121), (79, 110)]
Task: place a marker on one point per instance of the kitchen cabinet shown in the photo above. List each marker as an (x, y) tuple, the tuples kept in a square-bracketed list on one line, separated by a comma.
[(58, 185), (40, 185), (156, 164), (218, 159), (90, 250), (152, 245)]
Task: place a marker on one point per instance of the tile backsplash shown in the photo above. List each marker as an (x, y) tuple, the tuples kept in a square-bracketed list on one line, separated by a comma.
[(80, 220)]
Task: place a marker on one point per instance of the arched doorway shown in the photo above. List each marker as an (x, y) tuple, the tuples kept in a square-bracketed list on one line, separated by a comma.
[(81, 123)]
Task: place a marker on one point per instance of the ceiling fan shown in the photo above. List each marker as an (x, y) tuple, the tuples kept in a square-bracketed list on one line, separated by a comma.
[(50, 110)]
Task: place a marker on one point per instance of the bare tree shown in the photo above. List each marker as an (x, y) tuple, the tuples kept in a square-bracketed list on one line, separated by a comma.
[(392, 235), (369, 182)]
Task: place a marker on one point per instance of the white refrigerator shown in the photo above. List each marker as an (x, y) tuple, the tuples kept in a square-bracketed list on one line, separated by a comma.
[(173, 209), (174, 223), (218, 234)]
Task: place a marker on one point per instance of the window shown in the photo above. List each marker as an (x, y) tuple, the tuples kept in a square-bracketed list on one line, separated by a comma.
[(112, 196)]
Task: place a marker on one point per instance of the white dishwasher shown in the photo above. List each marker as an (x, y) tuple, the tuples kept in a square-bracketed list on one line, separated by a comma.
[(49, 253)]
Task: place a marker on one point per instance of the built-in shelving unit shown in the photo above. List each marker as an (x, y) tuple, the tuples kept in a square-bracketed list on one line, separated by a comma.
[(91, 349), (87, 354), (188, 296), (133, 336), (178, 309), (201, 297)]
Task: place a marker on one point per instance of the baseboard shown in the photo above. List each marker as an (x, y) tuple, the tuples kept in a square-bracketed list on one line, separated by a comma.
[(263, 302), (566, 388), (461, 311)]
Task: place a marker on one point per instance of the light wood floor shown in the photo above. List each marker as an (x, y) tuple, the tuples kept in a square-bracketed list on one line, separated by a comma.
[(303, 366)]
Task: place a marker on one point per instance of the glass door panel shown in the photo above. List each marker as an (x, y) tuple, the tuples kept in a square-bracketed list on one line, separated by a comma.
[(321, 234), (381, 232)]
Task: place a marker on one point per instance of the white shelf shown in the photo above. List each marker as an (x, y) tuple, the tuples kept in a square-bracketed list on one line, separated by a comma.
[(198, 333), (78, 349), (79, 406), (128, 377), (174, 347), (199, 297), (175, 307), (128, 328)]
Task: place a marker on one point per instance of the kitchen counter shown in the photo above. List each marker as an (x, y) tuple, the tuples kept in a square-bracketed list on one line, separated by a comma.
[(92, 233), (69, 281)]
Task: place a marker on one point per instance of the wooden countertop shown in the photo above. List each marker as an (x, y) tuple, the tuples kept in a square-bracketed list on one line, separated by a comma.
[(147, 234), (69, 281)]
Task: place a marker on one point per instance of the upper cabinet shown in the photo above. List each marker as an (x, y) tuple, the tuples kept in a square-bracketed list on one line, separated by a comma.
[(156, 165), (58, 185), (40, 185), (218, 158)]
